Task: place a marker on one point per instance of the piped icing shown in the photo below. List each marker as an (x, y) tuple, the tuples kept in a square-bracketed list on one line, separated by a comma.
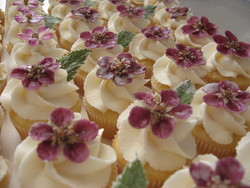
[(168, 73), (148, 148), (226, 65), (94, 172), (216, 120), (38, 104), (71, 27), (106, 95)]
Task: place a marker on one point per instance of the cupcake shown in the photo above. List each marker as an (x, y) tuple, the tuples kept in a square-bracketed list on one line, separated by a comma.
[(109, 89), (229, 59), (101, 43), (65, 152), (34, 91), (179, 64), (242, 153), (128, 18), (162, 3), (222, 112), (4, 172), (150, 45), (197, 32), (209, 171), (77, 21), (156, 129), (172, 17), (37, 45)]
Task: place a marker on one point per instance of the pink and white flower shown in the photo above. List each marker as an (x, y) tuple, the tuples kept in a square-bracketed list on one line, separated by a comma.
[(133, 12), (29, 17), (86, 13), (156, 32), (36, 38), (64, 134), (25, 5)]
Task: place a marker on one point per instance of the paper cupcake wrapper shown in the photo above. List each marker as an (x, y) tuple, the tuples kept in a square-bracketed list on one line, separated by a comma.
[(79, 81)]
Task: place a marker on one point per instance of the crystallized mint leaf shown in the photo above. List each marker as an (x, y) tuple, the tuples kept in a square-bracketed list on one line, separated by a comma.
[(41, 1), (72, 61), (89, 3), (50, 21), (133, 176), (185, 91), (150, 9), (124, 38)]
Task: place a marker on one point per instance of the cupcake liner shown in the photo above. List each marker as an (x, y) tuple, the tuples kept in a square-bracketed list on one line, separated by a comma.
[(155, 177), (79, 81), (112, 176), (206, 145), (4, 182), (105, 120)]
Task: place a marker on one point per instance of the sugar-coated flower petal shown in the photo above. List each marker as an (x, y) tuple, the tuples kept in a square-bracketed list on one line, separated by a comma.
[(169, 97), (172, 53), (41, 131), (211, 88), (228, 168), (201, 173), (147, 97), (236, 106), (121, 80), (176, 12), (228, 85), (139, 117), (49, 63), (47, 77), (163, 128), (130, 11), (31, 84), (19, 73), (181, 111), (76, 152), (243, 96), (62, 117), (156, 32), (86, 35), (86, 13), (47, 150), (86, 130), (104, 73), (104, 61), (213, 100)]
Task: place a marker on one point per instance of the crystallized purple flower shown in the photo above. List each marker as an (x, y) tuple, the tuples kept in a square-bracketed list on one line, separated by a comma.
[(228, 173), (35, 38), (199, 27), (64, 134), (226, 94), (186, 56), (28, 16), (25, 5), (86, 13), (176, 12), (99, 37), (118, 2), (160, 112), (156, 32), (35, 75), (120, 69), (230, 45), (71, 2), (133, 12)]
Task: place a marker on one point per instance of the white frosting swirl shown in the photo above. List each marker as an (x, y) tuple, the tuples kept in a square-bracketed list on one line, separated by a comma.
[(94, 172), (70, 28), (143, 48), (4, 168), (106, 9), (3, 71), (38, 104), (168, 73), (190, 40), (61, 10), (23, 54), (118, 23), (183, 179), (162, 17), (242, 154), (219, 120), (91, 60), (106, 95), (226, 65), (142, 144)]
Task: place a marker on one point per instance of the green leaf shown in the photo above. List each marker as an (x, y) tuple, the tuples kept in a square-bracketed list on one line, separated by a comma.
[(72, 61), (124, 38), (89, 3), (41, 1), (133, 176), (150, 9), (51, 21), (185, 91)]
